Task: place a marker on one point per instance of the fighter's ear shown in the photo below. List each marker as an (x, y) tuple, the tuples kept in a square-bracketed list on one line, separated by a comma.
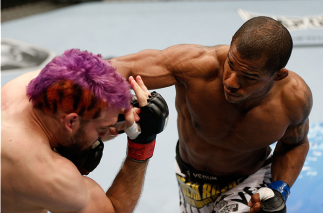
[(71, 122), (281, 74)]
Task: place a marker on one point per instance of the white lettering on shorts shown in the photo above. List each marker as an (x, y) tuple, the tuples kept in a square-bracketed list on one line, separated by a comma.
[(204, 177)]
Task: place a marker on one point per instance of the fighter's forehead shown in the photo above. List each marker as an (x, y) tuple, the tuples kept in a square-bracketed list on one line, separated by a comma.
[(252, 66), (108, 117)]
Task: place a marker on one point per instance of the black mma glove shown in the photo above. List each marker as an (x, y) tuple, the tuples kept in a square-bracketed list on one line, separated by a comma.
[(274, 197), (87, 160), (153, 119)]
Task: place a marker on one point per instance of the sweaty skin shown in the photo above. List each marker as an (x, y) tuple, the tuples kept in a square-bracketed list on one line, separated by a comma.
[(229, 110), (34, 178)]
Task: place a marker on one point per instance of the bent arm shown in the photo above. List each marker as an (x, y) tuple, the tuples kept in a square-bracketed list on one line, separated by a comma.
[(123, 194), (288, 160), (80, 194), (290, 153), (291, 150), (87, 196), (126, 188)]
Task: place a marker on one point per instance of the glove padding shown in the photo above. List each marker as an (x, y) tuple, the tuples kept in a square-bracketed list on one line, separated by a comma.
[(153, 117), (153, 120), (85, 161), (274, 204)]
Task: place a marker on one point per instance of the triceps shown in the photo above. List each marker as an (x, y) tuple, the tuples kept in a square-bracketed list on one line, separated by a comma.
[(294, 136)]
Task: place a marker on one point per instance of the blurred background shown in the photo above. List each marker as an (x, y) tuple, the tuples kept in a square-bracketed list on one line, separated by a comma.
[(14, 9), (33, 32)]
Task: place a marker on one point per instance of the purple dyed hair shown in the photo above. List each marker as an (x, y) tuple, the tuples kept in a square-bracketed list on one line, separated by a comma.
[(78, 81)]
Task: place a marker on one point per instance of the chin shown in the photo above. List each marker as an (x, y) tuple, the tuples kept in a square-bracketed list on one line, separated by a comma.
[(235, 100)]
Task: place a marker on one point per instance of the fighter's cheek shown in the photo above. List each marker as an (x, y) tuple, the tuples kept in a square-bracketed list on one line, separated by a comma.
[(112, 133), (244, 93)]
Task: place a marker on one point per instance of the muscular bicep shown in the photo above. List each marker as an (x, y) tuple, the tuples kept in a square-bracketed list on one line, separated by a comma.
[(88, 197), (299, 108), (66, 190), (294, 141), (97, 201), (175, 64)]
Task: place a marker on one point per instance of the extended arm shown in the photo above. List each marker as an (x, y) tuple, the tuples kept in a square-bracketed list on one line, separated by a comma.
[(154, 66), (163, 68)]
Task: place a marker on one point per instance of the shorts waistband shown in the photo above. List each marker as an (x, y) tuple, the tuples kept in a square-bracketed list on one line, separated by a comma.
[(197, 176)]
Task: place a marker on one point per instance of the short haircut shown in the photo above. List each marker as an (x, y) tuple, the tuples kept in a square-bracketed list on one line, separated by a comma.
[(264, 37), (80, 82)]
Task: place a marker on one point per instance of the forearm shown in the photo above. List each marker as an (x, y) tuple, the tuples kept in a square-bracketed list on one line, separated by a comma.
[(135, 64), (126, 187), (124, 65), (288, 162)]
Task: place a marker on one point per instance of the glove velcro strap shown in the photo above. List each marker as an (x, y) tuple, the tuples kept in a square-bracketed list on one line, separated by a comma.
[(140, 152), (281, 187)]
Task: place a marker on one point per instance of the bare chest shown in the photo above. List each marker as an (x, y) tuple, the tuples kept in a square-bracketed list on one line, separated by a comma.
[(215, 121)]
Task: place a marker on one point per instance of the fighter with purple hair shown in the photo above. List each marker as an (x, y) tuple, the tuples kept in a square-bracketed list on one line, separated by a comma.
[(53, 125)]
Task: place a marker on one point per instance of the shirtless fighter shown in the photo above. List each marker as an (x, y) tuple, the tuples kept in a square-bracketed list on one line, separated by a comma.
[(53, 123), (232, 103)]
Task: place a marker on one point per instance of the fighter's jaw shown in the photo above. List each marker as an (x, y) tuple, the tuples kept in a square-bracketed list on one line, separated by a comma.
[(234, 99), (231, 97)]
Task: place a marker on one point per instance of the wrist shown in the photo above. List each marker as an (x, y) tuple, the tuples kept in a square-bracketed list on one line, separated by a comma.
[(133, 131), (281, 187), (140, 152), (136, 162)]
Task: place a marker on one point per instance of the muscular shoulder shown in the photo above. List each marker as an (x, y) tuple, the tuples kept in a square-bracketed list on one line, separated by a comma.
[(16, 88), (187, 53), (193, 60), (297, 98), (22, 80), (37, 176)]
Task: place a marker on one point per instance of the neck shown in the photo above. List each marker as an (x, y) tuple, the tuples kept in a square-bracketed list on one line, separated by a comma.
[(49, 125)]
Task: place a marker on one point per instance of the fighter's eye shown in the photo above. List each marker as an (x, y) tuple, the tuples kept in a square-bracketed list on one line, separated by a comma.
[(251, 79), (103, 129), (230, 64)]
